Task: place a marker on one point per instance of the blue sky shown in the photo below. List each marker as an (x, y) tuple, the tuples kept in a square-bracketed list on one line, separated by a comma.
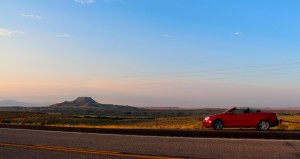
[(186, 53)]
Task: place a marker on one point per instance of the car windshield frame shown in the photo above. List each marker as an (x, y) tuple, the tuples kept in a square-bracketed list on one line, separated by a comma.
[(243, 110)]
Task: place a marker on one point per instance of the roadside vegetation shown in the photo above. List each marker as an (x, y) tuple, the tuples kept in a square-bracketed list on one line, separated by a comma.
[(90, 121)]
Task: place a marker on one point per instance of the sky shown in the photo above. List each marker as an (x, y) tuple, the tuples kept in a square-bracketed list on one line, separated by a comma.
[(177, 53)]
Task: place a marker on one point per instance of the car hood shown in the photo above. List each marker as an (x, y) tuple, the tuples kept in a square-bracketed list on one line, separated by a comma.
[(215, 115)]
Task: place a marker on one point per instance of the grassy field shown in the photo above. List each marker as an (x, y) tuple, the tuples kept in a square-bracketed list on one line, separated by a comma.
[(119, 122)]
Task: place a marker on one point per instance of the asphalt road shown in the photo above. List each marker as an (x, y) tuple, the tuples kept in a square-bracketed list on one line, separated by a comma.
[(21, 143)]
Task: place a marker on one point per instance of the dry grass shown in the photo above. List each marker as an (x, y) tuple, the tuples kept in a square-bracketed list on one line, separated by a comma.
[(182, 123), (134, 123), (158, 123)]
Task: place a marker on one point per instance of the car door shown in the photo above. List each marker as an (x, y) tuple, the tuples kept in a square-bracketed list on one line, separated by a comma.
[(234, 118), (254, 117), (246, 118), (250, 119)]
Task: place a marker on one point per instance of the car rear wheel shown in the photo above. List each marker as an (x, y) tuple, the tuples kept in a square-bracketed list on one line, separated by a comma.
[(263, 125), (217, 125)]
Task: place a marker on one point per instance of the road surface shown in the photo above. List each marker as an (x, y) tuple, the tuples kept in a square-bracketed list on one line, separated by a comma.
[(21, 143)]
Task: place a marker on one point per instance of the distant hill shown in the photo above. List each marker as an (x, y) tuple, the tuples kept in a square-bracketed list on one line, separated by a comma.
[(13, 103), (88, 102), (79, 106), (8, 103)]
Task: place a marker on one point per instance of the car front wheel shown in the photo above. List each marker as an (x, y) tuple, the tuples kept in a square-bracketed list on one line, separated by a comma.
[(217, 125), (263, 125)]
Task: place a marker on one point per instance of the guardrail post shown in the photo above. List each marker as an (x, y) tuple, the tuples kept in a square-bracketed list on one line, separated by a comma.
[(280, 121)]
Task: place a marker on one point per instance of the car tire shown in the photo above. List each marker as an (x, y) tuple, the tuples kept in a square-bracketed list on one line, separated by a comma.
[(217, 125), (263, 125)]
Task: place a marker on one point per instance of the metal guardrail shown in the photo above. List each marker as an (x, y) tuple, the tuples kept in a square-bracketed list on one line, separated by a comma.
[(287, 121)]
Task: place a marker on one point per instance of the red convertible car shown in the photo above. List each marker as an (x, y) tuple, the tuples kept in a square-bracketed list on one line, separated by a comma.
[(241, 117)]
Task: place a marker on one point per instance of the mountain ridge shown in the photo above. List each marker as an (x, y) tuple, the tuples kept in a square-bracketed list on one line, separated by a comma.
[(14, 103), (88, 102)]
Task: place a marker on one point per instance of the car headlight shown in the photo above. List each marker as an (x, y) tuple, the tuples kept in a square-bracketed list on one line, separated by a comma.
[(206, 118)]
